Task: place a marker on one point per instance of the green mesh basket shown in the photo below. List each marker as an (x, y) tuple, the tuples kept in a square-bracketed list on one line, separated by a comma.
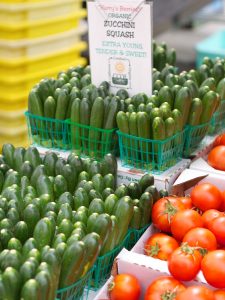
[(47, 132), (135, 235), (193, 137), (218, 119), (150, 155), (104, 263), (77, 291), (91, 141)]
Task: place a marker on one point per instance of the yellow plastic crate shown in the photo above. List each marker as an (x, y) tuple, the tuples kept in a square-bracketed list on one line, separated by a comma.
[(35, 29), (14, 67), (29, 12), (15, 89), (21, 1), (12, 119), (30, 48), (16, 136)]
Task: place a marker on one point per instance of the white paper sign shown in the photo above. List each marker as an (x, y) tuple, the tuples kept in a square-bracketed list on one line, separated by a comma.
[(120, 42)]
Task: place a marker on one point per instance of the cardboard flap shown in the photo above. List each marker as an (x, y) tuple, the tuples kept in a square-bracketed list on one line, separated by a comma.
[(186, 180)]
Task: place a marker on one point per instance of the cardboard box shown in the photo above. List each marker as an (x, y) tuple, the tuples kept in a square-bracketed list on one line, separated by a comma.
[(43, 151), (189, 178), (164, 180), (201, 164)]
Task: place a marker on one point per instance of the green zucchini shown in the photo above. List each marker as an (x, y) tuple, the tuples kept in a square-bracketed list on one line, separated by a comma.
[(145, 204), (195, 112), (50, 107), (183, 103), (62, 104), (96, 121), (123, 211)]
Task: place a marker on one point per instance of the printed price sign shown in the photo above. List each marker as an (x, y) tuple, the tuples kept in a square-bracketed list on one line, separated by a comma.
[(120, 43)]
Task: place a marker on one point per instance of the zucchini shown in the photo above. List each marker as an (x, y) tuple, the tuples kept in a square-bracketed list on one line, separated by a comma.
[(209, 102), (92, 242), (72, 264), (106, 192), (102, 226), (49, 162), (195, 112), (96, 206), (177, 117), (40, 170), (123, 211), (192, 87), (165, 94), (111, 241), (96, 121), (85, 112), (145, 204), (75, 129), (50, 108), (183, 103), (18, 158), (62, 104), (110, 203), (33, 156), (8, 153), (146, 181), (135, 222), (35, 106)]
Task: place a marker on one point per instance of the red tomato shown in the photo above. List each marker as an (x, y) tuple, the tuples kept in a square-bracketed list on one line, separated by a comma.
[(164, 288), (206, 196), (216, 158), (196, 293), (183, 221), (124, 286), (186, 201), (213, 268), (160, 246), (217, 226), (164, 210), (184, 263), (209, 215), (222, 206), (219, 295), (201, 237)]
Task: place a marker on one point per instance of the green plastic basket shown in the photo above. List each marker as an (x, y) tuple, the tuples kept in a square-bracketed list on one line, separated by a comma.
[(218, 119), (193, 137), (47, 132), (135, 235), (91, 141), (150, 155), (104, 263), (77, 291)]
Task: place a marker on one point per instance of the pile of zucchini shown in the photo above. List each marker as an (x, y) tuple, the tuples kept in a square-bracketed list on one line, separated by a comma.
[(190, 98), (58, 215), (163, 56)]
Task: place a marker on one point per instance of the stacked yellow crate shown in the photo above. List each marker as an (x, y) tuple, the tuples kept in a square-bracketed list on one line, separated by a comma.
[(38, 39)]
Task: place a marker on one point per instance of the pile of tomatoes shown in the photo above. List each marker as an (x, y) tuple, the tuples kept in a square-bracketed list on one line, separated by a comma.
[(216, 157), (126, 286), (191, 239)]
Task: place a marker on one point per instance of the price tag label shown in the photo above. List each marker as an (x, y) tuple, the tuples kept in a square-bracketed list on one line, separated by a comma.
[(120, 42)]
